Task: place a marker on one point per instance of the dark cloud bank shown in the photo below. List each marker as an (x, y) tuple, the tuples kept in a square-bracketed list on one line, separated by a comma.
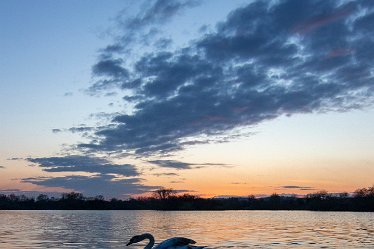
[(262, 62), (107, 178), (106, 185), (267, 59), (75, 163)]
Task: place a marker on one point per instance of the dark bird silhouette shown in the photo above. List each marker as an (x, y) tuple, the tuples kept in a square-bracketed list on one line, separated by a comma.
[(172, 243)]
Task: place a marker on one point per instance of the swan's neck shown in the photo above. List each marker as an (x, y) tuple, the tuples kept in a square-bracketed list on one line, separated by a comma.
[(151, 240)]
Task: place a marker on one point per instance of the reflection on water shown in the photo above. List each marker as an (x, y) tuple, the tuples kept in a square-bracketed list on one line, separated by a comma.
[(217, 229)]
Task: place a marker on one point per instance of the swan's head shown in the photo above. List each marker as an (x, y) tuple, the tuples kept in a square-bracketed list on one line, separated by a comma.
[(135, 239)]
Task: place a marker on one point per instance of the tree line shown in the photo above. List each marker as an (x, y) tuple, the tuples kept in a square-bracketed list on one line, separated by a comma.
[(167, 199)]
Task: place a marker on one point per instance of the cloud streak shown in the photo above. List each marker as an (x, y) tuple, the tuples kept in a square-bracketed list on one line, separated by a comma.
[(166, 174), (303, 188), (80, 129), (182, 165)]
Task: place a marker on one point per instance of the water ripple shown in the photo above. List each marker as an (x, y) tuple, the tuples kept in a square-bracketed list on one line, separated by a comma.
[(222, 229)]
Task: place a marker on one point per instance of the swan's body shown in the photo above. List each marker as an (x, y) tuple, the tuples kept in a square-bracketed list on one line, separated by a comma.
[(172, 243)]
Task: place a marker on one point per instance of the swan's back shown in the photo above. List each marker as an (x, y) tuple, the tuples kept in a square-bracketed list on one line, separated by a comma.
[(178, 243)]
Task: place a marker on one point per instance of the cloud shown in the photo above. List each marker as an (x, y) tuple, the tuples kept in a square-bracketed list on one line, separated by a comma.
[(9, 190), (158, 11), (254, 67), (110, 67), (77, 163), (180, 181), (182, 165), (139, 31), (113, 72), (81, 129), (306, 188), (179, 191), (105, 185), (68, 94), (171, 164), (166, 174)]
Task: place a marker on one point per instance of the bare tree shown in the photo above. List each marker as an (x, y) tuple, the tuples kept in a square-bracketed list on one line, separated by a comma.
[(163, 193)]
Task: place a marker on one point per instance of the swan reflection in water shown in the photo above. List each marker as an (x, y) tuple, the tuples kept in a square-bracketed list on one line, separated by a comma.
[(172, 243)]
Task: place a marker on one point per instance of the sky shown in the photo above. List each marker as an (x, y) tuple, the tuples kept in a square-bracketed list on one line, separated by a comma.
[(211, 97)]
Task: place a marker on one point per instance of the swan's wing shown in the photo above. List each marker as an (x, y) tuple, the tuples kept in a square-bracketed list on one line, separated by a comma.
[(174, 242)]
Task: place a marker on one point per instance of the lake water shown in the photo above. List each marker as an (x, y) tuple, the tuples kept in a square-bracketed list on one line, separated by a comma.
[(217, 229)]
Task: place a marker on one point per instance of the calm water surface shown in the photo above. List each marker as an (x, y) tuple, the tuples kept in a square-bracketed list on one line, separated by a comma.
[(222, 229)]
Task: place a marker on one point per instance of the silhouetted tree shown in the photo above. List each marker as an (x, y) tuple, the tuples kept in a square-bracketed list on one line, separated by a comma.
[(364, 192), (163, 193), (321, 195), (99, 198), (167, 199), (72, 196), (42, 197)]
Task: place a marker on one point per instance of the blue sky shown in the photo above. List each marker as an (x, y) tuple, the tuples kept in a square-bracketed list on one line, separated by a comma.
[(124, 97)]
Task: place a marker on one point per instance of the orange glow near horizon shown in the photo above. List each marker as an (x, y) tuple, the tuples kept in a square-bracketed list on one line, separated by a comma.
[(280, 154)]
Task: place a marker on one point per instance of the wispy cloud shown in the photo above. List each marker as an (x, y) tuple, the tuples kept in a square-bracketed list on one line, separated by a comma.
[(78, 129), (303, 188), (81, 129), (157, 12), (182, 165), (179, 181), (139, 31), (68, 94), (166, 174)]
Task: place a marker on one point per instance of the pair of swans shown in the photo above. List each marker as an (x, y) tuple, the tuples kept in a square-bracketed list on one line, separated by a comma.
[(172, 243)]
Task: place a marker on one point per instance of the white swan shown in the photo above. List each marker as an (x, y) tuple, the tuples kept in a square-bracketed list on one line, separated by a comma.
[(172, 243)]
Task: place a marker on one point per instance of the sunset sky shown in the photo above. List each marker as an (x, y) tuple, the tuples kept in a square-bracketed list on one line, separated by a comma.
[(213, 98)]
